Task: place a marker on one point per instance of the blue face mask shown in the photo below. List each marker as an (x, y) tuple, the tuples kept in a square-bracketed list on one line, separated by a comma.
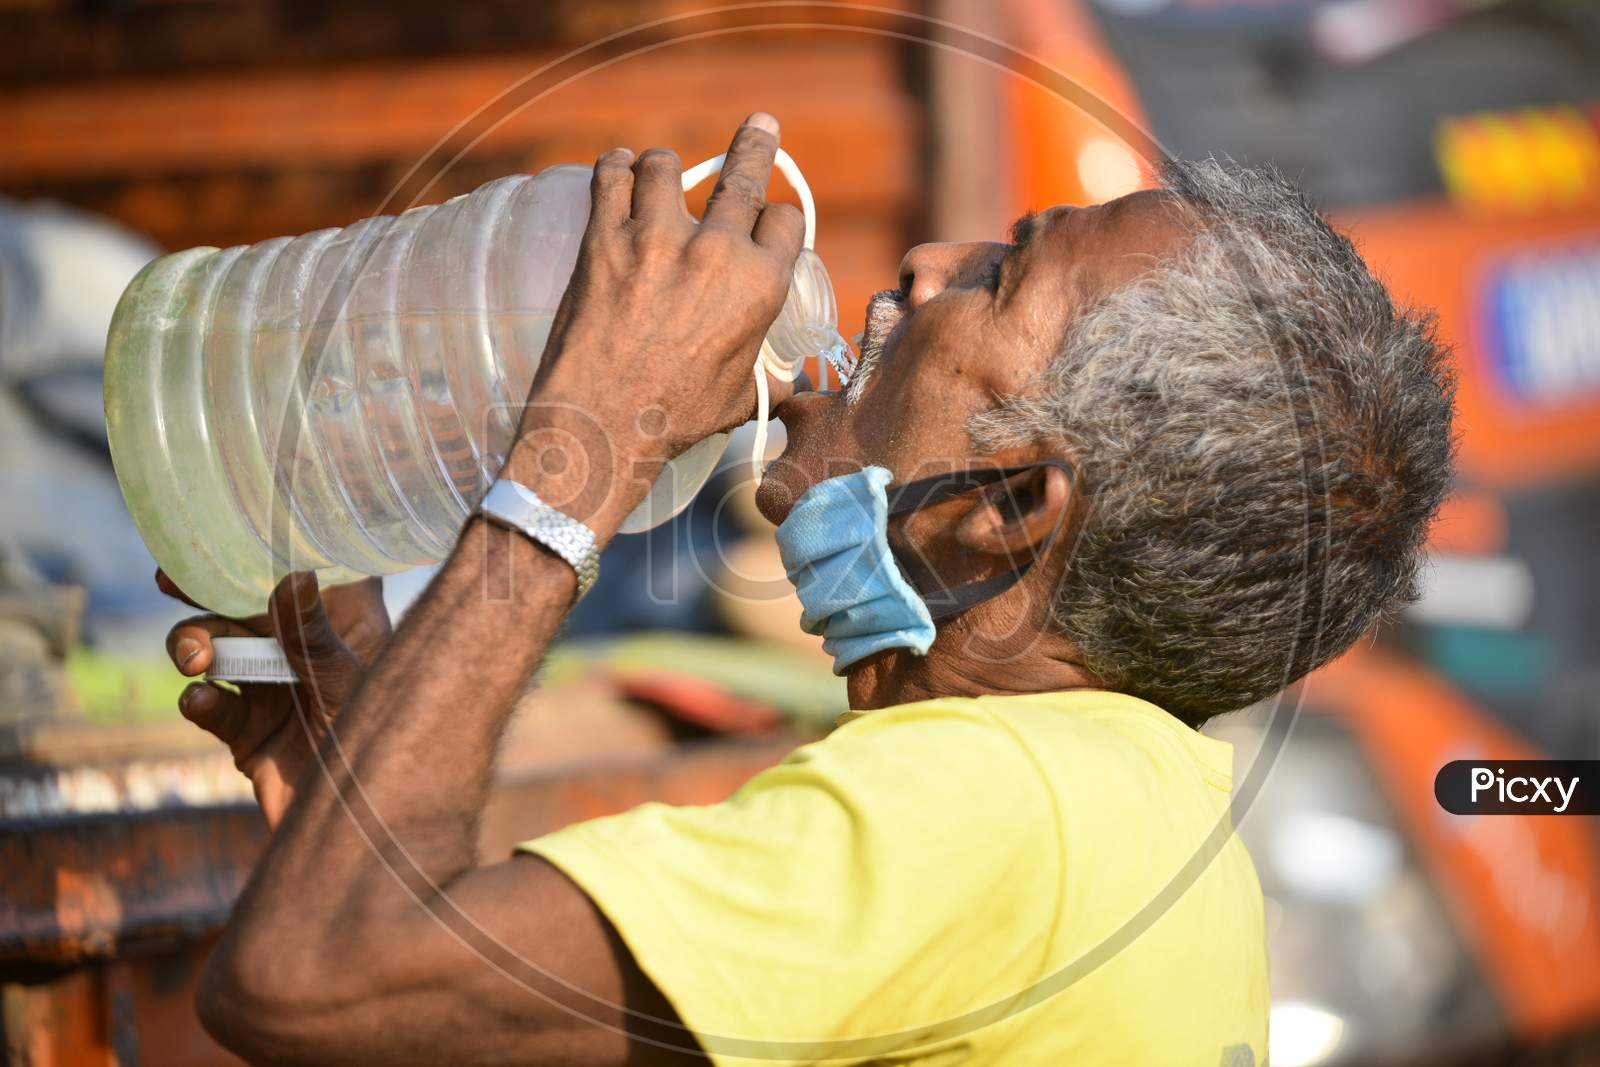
[(835, 549)]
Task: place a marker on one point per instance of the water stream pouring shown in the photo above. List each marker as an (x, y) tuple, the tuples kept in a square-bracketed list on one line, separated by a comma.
[(340, 401)]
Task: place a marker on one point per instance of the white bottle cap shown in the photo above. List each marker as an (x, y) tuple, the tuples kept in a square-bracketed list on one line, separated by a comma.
[(249, 659)]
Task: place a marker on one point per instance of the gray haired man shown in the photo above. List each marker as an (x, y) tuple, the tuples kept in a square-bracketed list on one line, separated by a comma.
[(1146, 462)]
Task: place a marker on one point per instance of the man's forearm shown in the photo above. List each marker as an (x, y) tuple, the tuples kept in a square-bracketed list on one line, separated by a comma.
[(417, 742), (329, 958), (407, 768)]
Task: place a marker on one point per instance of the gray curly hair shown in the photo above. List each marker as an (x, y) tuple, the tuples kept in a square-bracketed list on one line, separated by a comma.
[(1262, 438)]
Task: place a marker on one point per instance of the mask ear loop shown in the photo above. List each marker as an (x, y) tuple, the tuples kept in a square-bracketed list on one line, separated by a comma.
[(767, 360), (925, 492)]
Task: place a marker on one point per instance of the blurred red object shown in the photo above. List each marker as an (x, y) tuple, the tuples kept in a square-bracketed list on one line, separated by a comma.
[(697, 702)]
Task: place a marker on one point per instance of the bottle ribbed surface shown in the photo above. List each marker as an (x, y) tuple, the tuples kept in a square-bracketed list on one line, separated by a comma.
[(341, 400)]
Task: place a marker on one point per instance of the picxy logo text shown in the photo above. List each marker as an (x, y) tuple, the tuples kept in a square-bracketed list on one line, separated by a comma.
[(1519, 787)]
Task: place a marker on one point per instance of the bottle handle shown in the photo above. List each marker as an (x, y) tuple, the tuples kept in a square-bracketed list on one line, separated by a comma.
[(767, 360), (786, 166)]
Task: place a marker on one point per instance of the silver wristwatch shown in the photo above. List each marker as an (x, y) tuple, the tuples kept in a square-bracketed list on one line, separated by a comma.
[(520, 508)]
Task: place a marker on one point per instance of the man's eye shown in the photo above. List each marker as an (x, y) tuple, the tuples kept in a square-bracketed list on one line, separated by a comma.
[(993, 278)]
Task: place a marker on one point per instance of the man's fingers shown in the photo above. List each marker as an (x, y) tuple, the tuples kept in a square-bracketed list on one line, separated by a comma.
[(253, 626), (658, 187), (310, 643), (299, 620), (189, 642), (741, 190), (611, 190), (781, 230), (219, 712), (359, 616), (169, 587)]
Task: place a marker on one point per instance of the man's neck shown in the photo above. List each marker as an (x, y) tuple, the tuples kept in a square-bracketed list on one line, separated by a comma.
[(899, 677)]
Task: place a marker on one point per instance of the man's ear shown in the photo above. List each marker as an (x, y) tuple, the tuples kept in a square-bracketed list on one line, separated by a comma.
[(1017, 516)]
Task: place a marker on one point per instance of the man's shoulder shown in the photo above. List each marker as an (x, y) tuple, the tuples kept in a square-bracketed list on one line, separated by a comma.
[(937, 723), (1053, 732), (1078, 711), (980, 741), (935, 750)]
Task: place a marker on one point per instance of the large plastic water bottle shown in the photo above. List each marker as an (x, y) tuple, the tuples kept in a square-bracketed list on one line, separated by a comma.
[(340, 401)]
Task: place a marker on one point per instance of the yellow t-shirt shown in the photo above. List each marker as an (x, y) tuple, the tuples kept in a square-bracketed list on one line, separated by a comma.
[(1044, 879)]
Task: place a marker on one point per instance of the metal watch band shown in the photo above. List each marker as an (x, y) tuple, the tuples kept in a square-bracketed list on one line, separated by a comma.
[(520, 508)]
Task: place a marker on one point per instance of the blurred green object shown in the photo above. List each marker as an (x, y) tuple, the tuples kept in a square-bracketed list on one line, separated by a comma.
[(801, 687), (115, 688)]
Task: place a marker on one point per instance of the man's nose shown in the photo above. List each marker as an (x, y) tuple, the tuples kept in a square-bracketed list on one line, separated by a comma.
[(928, 270)]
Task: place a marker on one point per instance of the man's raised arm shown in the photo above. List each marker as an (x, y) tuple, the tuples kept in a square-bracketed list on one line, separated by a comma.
[(368, 933)]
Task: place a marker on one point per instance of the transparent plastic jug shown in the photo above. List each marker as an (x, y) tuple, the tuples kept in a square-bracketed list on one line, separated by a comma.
[(340, 401)]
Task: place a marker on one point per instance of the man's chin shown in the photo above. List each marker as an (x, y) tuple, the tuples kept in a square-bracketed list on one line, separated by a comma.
[(807, 419), (781, 485)]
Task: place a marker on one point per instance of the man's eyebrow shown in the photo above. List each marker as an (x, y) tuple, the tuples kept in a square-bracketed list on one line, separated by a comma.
[(1022, 232), (1023, 229)]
